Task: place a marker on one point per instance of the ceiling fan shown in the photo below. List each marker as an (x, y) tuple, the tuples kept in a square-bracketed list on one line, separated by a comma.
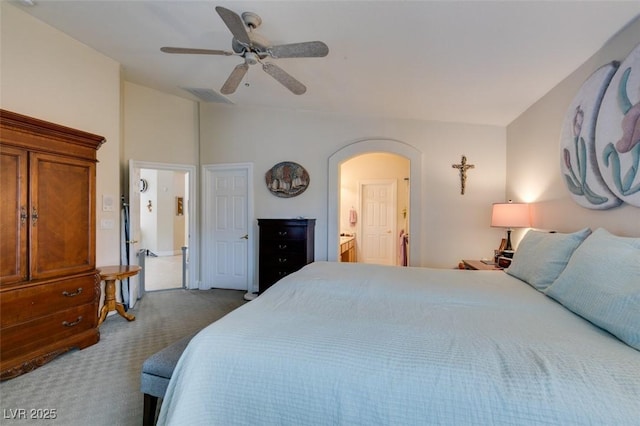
[(254, 49)]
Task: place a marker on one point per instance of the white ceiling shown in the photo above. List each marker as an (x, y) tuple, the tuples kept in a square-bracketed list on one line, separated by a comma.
[(463, 61)]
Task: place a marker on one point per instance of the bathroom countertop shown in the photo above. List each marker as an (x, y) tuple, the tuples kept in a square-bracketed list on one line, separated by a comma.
[(346, 239)]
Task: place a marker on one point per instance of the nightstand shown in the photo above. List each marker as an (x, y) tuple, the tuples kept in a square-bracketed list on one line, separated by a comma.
[(478, 265)]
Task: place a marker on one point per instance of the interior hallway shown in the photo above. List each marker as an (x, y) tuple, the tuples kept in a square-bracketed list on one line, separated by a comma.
[(163, 272)]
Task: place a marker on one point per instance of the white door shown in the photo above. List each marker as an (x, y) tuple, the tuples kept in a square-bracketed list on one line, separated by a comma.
[(227, 234), (378, 222), (134, 231)]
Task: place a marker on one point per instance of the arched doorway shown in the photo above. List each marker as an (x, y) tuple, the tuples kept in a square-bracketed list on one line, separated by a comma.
[(374, 208), (364, 146)]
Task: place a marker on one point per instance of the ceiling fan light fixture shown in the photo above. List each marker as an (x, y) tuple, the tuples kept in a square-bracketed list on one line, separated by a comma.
[(251, 58), (251, 20)]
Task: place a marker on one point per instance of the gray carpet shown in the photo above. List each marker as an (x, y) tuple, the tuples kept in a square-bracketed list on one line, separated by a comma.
[(100, 385)]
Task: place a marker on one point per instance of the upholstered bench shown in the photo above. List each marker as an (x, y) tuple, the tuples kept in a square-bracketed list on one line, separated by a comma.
[(156, 373)]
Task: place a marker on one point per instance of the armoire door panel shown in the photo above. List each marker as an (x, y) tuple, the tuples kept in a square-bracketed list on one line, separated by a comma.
[(62, 214), (13, 215)]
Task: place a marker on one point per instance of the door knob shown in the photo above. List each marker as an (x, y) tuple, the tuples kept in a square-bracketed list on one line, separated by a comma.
[(132, 241), (245, 237)]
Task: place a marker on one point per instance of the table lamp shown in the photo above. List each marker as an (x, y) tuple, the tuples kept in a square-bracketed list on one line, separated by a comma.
[(510, 215)]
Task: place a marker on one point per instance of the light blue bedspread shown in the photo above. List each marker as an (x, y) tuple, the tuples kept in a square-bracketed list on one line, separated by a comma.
[(354, 344)]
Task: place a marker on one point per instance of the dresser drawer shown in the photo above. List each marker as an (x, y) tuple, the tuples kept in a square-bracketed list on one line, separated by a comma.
[(283, 233), (24, 304), (272, 276), (29, 336), (275, 248), (283, 260), (276, 266)]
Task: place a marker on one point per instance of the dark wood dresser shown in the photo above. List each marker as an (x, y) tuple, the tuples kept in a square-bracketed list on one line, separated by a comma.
[(49, 285), (286, 245)]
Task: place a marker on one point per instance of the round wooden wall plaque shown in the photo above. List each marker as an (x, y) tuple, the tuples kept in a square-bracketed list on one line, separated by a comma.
[(287, 179)]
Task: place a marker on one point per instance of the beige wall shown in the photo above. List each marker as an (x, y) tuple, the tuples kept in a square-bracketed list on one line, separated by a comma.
[(453, 226), (162, 230), (533, 154), (64, 81), (149, 218), (158, 127), (48, 75), (180, 228)]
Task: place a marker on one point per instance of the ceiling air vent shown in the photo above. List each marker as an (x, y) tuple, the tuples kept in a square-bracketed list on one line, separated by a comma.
[(208, 95)]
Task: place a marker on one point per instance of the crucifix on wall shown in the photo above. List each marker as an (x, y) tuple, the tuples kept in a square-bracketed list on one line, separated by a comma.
[(463, 167)]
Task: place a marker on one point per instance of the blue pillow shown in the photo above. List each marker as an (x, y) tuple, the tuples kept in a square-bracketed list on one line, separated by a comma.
[(601, 283), (542, 256)]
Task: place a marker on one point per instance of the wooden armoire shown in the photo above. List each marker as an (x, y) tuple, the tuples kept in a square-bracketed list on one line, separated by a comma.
[(49, 285)]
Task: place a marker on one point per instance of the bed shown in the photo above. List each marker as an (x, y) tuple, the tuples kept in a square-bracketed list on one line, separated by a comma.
[(354, 344)]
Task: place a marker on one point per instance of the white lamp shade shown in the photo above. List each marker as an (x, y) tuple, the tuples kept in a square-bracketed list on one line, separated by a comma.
[(511, 215)]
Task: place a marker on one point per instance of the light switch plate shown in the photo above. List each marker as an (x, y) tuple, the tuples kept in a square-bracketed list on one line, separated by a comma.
[(108, 204), (107, 224)]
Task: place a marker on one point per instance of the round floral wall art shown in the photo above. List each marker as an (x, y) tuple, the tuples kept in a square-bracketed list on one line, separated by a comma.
[(578, 138), (618, 131), (600, 138)]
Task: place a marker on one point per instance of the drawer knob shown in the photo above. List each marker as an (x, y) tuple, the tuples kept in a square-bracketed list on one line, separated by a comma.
[(282, 246), (282, 233), (75, 293), (72, 323), (282, 273), (282, 260)]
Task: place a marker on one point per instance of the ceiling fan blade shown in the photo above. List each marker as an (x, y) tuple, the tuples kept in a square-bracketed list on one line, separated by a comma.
[(234, 79), (188, 50), (284, 78), (309, 49), (235, 24)]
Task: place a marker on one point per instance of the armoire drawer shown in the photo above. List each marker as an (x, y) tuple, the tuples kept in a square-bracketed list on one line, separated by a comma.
[(27, 303), (41, 331)]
